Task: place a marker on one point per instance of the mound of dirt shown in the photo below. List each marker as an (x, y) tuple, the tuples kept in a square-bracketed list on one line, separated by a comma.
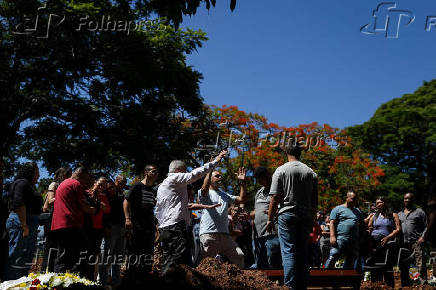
[(229, 276)]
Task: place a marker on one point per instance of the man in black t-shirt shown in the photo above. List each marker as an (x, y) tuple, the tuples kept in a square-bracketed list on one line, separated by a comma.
[(139, 215)]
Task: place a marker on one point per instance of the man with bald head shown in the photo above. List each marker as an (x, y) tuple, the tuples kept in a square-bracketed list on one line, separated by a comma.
[(67, 222), (214, 223), (414, 227), (346, 221)]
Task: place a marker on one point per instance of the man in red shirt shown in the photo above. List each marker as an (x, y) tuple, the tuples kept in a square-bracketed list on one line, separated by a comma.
[(67, 222)]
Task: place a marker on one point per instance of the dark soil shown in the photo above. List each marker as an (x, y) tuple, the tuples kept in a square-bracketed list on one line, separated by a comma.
[(210, 274), (229, 276)]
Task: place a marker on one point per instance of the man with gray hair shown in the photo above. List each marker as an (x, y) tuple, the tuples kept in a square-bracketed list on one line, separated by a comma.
[(172, 211)]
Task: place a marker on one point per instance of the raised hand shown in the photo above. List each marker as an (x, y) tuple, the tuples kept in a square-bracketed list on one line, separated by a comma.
[(241, 175), (221, 155)]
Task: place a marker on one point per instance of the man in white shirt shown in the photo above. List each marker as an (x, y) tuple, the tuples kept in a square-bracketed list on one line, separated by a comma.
[(172, 211), (214, 223)]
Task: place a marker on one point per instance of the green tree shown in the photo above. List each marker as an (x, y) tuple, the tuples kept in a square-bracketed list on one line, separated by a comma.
[(110, 97), (402, 136)]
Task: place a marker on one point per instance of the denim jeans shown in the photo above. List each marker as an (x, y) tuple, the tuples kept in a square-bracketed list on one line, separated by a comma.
[(294, 238), (267, 252), (21, 249), (348, 250)]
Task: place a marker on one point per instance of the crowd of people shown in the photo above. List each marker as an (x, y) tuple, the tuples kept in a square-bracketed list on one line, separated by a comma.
[(93, 226)]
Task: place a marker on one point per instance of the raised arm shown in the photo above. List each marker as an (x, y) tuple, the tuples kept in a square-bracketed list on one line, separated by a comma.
[(199, 172), (241, 175), (206, 183)]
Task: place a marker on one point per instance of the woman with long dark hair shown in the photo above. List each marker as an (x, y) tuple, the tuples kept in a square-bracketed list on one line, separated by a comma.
[(22, 224), (60, 175), (384, 226)]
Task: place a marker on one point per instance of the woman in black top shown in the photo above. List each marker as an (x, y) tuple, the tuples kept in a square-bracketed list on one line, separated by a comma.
[(25, 205)]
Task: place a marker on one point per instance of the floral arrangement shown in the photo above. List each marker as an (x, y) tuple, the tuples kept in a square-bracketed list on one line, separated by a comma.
[(339, 263), (48, 281)]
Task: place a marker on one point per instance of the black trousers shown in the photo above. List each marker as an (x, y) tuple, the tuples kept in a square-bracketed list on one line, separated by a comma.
[(175, 246), (48, 246), (4, 253), (379, 256), (140, 250), (71, 245)]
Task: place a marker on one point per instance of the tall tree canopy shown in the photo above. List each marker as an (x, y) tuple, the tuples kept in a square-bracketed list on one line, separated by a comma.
[(402, 136), (96, 81), (339, 163)]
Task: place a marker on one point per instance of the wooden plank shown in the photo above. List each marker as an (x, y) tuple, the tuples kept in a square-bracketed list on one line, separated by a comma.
[(336, 278)]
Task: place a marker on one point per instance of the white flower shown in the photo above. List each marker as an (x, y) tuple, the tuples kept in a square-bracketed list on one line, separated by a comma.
[(56, 282), (45, 278), (15, 284), (68, 281)]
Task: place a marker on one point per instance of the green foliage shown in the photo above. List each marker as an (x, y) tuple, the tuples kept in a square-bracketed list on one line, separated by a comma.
[(104, 98), (175, 9), (402, 135), (43, 184)]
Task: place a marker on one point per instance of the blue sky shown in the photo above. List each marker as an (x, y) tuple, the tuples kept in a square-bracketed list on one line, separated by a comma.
[(301, 61)]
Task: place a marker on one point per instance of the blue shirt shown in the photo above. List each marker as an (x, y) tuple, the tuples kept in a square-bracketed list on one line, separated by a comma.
[(383, 226), (215, 220), (347, 222)]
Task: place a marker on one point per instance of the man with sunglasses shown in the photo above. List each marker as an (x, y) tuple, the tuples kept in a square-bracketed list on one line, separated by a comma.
[(214, 223), (140, 224)]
